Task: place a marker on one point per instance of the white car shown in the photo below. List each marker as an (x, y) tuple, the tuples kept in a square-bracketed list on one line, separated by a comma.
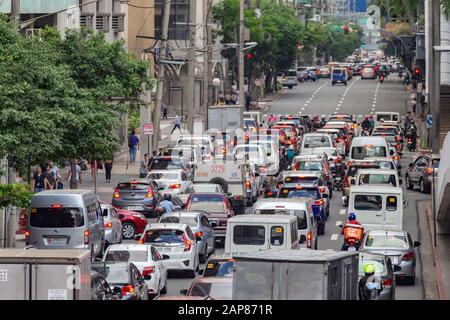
[(256, 153), (315, 140), (202, 188), (178, 242), (170, 181), (146, 258), (273, 155)]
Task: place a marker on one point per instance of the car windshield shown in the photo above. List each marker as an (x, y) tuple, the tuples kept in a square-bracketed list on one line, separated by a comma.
[(338, 71), (213, 203), (389, 138), (294, 193), (316, 142), (368, 151), (181, 219), (247, 150), (300, 179), (164, 176), (300, 214), (219, 291), (219, 268), (164, 236), (57, 217), (386, 241), (376, 178), (368, 202), (166, 164), (202, 188), (126, 256), (309, 166), (116, 274), (386, 130)]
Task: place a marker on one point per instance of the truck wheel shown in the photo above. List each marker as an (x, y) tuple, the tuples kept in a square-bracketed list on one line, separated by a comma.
[(222, 183)]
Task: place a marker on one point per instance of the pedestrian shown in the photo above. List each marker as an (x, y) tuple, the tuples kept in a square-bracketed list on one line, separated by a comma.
[(248, 101), (150, 160), (160, 152), (49, 180), (37, 182), (228, 98), (18, 179), (221, 97), (77, 181), (165, 111), (233, 97), (133, 144), (177, 124), (108, 169), (317, 74), (143, 171)]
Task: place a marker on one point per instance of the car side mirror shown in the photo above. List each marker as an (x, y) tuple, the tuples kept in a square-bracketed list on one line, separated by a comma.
[(397, 268), (302, 239), (183, 292), (121, 216), (165, 257), (417, 244), (137, 237), (148, 277), (105, 212)]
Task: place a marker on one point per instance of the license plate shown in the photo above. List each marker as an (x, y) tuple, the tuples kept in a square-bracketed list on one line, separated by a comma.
[(394, 260), (56, 241), (134, 208), (164, 249)]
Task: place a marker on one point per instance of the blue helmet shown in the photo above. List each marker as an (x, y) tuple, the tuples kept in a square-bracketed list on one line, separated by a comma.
[(351, 216)]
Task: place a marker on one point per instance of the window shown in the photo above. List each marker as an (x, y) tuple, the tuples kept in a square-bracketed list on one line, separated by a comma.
[(386, 241), (184, 177), (210, 203), (316, 142), (182, 219), (190, 233), (368, 202), (204, 221), (92, 213), (164, 236), (164, 176), (368, 151), (155, 254), (391, 203), (293, 234), (102, 22), (57, 217), (372, 178), (126, 256), (277, 236), (300, 179), (249, 235)]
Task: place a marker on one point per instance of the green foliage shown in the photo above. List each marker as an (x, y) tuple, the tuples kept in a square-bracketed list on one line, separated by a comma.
[(54, 93), (17, 195), (134, 118)]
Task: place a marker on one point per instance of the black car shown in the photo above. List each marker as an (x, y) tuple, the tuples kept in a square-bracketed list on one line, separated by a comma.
[(100, 289), (125, 279), (136, 195)]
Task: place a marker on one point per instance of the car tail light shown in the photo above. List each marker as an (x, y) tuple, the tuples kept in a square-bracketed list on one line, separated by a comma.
[(396, 158), (187, 244), (149, 193), (319, 202), (349, 163), (108, 225), (429, 170), (175, 186), (387, 282), (127, 290), (408, 256), (322, 190), (198, 234), (309, 240), (399, 146), (116, 193), (86, 236), (27, 237), (398, 138), (270, 193), (148, 270), (247, 184), (299, 188)]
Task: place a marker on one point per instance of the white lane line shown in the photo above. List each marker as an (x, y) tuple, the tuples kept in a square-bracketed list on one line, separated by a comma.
[(339, 105), (337, 109), (303, 108), (342, 211), (334, 236), (338, 223)]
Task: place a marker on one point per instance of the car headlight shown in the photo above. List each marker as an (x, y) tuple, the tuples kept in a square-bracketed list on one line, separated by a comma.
[(138, 216)]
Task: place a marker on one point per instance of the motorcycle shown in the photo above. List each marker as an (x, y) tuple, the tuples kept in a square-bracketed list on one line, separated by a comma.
[(373, 290), (365, 133), (337, 183), (381, 78), (410, 143)]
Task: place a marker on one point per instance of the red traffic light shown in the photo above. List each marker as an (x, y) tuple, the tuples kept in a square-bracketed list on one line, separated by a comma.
[(417, 71), (249, 56)]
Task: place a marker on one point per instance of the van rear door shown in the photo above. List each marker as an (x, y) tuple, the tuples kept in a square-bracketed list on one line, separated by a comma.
[(369, 210), (393, 215), (249, 237)]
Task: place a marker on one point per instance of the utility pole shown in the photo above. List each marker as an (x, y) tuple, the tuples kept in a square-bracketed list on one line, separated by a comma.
[(241, 54), (206, 66), (191, 66), (160, 85), (15, 13)]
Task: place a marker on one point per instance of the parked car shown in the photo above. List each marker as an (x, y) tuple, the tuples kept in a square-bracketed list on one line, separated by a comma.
[(133, 223), (200, 225), (113, 225), (100, 289), (289, 79), (399, 246), (125, 279), (136, 195), (384, 273), (178, 242), (217, 288), (146, 258), (173, 182), (420, 172)]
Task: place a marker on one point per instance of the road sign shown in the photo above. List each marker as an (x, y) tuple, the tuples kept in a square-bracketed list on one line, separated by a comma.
[(157, 51), (258, 82), (148, 128)]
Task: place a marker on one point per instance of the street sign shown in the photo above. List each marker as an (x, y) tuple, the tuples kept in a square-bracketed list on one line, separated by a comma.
[(148, 128), (429, 121), (258, 82)]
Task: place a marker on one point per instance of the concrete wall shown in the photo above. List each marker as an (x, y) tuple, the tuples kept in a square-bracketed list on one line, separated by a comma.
[(140, 22), (445, 57)]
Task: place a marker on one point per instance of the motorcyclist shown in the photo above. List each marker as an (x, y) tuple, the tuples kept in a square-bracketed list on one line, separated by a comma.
[(353, 230), (167, 203), (290, 154), (322, 121), (412, 134), (369, 276), (367, 124)]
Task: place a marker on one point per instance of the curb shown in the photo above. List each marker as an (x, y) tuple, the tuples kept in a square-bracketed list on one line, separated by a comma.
[(437, 261)]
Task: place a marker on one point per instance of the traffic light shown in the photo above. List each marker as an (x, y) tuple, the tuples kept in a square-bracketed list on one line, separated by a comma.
[(417, 72), (346, 29), (249, 56)]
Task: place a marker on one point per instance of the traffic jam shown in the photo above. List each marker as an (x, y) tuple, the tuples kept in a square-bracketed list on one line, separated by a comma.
[(222, 215)]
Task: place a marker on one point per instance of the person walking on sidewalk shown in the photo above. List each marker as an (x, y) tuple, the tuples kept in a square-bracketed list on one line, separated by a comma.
[(177, 124), (49, 180), (37, 182), (133, 144), (143, 170), (108, 169), (77, 175), (165, 111), (248, 101)]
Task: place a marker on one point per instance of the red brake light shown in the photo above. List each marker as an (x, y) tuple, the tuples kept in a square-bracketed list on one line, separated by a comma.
[(175, 186), (270, 193), (338, 140), (86, 236), (408, 256), (116, 193), (322, 190), (319, 202), (108, 225), (148, 270), (187, 244), (298, 187), (127, 290), (198, 234), (247, 184), (27, 237), (398, 138), (309, 240), (429, 170), (387, 282), (149, 193), (57, 206), (399, 146)]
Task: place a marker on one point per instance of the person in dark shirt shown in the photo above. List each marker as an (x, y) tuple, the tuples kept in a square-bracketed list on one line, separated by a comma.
[(133, 144), (38, 181), (369, 276)]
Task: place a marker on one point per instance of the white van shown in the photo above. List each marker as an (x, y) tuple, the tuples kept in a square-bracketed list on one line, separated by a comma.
[(273, 155), (249, 233), (368, 147), (300, 208), (378, 176), (388, 117), (378, 207)]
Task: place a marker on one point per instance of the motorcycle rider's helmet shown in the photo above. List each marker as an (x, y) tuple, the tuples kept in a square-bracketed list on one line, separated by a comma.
[(351, 216), (369, 269), (167, 197)]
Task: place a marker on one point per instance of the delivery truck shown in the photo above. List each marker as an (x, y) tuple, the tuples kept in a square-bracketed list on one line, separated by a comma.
[(45, 274), (225, 117), (299, 274)]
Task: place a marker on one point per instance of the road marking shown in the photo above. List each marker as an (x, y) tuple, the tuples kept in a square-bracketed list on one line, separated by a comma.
[(338, 223), (337, 108), (342, 211), (303, 108), (335, 112), (334, 236), (339, 105)]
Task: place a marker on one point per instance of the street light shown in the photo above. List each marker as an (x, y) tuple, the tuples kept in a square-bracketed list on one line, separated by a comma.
[(216, 83)]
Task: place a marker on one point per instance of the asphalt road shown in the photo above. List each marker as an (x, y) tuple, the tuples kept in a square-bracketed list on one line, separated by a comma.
[(359, 97)]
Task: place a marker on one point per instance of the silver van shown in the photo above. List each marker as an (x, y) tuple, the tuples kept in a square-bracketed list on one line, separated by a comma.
[(66, 219)]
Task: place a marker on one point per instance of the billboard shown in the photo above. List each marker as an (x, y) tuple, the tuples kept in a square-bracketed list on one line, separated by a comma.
[(357, 5)]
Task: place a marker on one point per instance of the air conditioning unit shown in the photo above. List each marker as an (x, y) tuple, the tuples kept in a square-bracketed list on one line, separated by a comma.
[(32, 32)]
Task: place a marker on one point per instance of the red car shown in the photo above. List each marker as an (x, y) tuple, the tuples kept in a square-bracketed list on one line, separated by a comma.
[(133, 223)]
